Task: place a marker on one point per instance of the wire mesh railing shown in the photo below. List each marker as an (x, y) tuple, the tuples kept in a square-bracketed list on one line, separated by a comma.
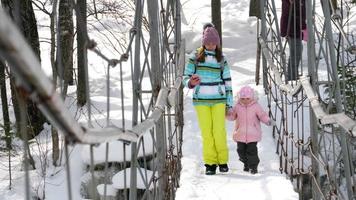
[(315, 132), (140, 160)]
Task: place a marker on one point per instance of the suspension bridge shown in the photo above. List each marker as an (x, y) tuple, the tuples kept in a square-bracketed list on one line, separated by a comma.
[(150, 132)]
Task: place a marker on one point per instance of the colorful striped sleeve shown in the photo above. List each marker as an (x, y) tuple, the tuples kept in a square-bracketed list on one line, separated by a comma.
[(228, 85), (189, 70)]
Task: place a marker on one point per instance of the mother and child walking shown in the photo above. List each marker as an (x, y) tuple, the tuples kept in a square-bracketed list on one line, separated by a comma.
[(208, 73)]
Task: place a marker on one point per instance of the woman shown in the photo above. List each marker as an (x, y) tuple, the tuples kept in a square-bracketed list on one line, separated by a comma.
[(208, 73), (293, 25)]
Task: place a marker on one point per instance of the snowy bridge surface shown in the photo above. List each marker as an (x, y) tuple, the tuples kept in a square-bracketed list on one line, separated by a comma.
[(268, 184), (138, 136)]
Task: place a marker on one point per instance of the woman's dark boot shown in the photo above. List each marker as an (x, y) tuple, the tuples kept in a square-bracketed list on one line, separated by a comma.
[(210, 169)]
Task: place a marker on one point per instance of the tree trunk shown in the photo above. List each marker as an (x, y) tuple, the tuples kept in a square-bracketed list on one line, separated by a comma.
[(28, 159), (255, 9), (55, 137), (66, 42), (53, 42), (8, 6), (29, 27), (5, 114), (55, 147), (28, 24), (5, 107), (216, 16), (81, 52), (15, 104), (22, 12)]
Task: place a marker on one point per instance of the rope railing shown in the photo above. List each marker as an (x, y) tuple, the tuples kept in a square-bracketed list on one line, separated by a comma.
[(172, 97), (285, 87), (40, 89), (341, 119)]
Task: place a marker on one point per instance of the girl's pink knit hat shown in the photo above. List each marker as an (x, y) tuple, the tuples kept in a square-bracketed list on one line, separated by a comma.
[(246, 92), (211, 36)]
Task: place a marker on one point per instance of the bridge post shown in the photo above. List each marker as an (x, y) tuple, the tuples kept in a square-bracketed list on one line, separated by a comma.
[(264, 36), (136, 87), (313, 78), (157, 79)]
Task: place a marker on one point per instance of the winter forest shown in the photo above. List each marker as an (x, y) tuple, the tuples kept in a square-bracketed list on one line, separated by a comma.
[(94, 103)]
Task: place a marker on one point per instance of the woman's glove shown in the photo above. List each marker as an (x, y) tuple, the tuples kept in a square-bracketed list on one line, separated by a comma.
[(305, 35), (194, 80)]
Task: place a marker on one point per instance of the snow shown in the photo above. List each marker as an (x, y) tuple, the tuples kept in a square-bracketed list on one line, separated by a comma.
[(114, 147), (110, 190), (239, 46), (143, 181), (239, 42), (269, 183)]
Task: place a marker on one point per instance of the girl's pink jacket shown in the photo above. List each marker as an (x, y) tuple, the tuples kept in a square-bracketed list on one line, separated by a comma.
[(247, 122)]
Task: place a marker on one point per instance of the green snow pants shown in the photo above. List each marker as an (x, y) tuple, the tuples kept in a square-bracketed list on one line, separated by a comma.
[(212, 126)]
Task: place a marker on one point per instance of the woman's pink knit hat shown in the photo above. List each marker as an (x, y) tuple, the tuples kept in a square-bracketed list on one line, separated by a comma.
[(246, 92), (211, 36)]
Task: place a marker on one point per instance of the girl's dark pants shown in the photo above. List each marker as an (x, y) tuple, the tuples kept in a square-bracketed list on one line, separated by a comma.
[(248, 154)]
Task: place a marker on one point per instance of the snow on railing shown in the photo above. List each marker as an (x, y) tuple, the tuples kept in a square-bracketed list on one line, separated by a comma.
[(340, 118), (156, 114), (172, 97)]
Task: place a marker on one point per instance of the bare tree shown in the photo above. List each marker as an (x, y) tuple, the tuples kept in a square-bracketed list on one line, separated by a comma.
[(55, 137), (81, 52), (23, 13), (5, 114), (42, 6), (66, 35), (216, 16)]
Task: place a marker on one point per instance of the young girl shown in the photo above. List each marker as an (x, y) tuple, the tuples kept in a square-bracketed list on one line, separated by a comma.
[(248, 114), (208, 74)]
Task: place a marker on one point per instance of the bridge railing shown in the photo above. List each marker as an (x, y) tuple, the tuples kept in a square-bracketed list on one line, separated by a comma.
[(315, 137), (147, 162)]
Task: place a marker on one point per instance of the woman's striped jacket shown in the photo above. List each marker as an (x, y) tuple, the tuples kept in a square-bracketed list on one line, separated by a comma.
[(215, 86)]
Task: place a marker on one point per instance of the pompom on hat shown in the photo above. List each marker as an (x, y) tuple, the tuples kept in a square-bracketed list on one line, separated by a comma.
[(246, 92), (211, 36)]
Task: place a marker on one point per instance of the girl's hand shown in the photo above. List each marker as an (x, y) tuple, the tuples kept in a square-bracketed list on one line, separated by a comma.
[(194, 80), (235, 136), (229, 114)]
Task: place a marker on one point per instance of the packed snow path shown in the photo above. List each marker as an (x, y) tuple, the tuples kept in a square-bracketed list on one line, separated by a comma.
[(268, 184), (239, 41)]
